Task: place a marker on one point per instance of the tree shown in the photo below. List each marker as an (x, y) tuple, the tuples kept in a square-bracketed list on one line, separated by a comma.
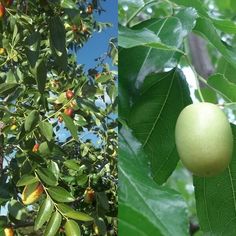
[(173, 53), (58, 122)]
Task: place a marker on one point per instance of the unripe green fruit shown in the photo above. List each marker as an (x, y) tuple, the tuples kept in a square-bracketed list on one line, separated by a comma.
[(204, 139)]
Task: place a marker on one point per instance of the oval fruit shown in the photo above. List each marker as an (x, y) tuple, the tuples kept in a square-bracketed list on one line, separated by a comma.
[(2, 10), (69, 94), (9, 232), (204, 139)]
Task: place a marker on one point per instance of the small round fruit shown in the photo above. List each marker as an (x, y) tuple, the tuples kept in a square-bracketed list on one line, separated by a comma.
[(69, 94), (2, 51), (204, 139), (9, 231), (69, 112), (89, 9), (89, 195), (2, 10), (36, 147)]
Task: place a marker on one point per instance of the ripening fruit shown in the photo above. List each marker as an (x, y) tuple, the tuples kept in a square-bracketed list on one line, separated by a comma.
[(69, 112), (9, 232), (2, 10), (69, 94), (36, 147), (89, 195), (2, 51), (74, 28), (32, 193), (13, 127), (89, 9), (204, 139)]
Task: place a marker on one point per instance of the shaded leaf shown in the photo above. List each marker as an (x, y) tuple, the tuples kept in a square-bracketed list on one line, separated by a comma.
[(31, 120)]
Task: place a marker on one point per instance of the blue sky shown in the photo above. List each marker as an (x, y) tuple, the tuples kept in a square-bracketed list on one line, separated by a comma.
[(98, 44)]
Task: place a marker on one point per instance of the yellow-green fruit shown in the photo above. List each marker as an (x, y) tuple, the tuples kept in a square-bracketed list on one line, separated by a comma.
[(204, 139)]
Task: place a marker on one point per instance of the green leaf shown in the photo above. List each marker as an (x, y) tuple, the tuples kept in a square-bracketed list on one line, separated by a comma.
[(225, 68), (58, 42), (41, 76), (132, 72), (46, 130), (129, 38), (53, 166), (70, 125), (47, 176), (44, 213), (7, 88), (72, 228), (187, 18), (76, 215), (72, 164), (68, 4), (53, 224), (208, 94), (153, 117), (31, 120), (226, 26), (45, 149), (197, 4), (17, 210), (144, 207), (32, 47), (223, 86), (206, 28), (60, 194), (216, 209), (26, 179)]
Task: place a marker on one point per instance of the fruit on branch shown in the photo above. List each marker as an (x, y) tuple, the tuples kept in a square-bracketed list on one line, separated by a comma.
[(9, 231), (2, 11), (69, 94), (89, 195), (36, 147), (32, 193), (204, 139), (89, 9), (69, 112)]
